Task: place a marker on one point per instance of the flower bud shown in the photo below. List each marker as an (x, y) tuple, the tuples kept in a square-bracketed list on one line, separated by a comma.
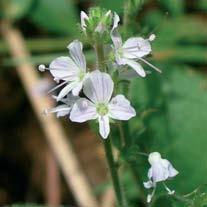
[(97, 24)]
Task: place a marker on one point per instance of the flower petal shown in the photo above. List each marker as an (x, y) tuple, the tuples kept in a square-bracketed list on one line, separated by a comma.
[(76, 90), (83, 110), (148, 184), (66, 90), (84, 17), (120, 108), (98, 87), (115, 36), (136, 47), (116, 21), (76, 53), (159, 173), (171, 170), (104, 128), (63, 68), (136, 66)]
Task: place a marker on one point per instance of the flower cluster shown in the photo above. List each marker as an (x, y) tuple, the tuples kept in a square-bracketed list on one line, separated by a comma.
[(73, 76), (88, 94)]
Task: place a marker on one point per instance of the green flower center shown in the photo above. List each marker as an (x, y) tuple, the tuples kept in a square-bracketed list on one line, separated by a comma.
[(102, 109), (120, 52), (81, 75)]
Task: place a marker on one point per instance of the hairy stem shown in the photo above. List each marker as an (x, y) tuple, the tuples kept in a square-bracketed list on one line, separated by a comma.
[(100, 57), (131, 164), (107, 143), (114, 175)]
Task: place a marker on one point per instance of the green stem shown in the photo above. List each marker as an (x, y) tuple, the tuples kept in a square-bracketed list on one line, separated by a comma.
[(100, 57), (131, 164), (107, 143), (114, 175)]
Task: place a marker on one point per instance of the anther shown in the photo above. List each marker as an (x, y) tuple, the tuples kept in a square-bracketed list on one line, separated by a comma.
[(152, 37), (42, 68)]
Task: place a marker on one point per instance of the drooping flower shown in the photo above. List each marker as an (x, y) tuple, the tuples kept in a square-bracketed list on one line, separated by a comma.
[(64, 108), (71, 70), (98, 88), (161, 170), (132, 50)]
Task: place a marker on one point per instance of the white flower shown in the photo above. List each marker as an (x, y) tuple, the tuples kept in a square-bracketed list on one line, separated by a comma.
[(64, 108), (100, 28), (134, 48), (98, 88), (161, 170), (71, 70)]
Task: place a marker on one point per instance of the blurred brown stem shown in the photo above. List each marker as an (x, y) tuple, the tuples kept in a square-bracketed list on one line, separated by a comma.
[(53, 180), (54, 133)]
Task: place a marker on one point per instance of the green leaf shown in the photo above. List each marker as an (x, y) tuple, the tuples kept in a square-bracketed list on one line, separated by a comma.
[(56, 16), (178, 128)]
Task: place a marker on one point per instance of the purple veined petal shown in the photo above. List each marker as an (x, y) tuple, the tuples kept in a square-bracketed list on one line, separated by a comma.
[(171, 170), (76, 52), (76, 90), (136, 47), (120, 108), (116, 39), (98, 87), (66, 90), (63, 68), (104, 128), (137, 67), (159, 173), (83, 110), (83, 17)]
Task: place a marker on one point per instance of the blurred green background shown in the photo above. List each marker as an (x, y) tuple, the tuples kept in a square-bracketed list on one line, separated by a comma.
[(171, 107)]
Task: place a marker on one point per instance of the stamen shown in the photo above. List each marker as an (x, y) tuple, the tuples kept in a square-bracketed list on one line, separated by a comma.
[(152, 66), (143, 153), (58, 86), (150, 196), (42, 68), (54, 110), (170, 192)]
